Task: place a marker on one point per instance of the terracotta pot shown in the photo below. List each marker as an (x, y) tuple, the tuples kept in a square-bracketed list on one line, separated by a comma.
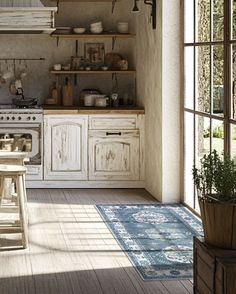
[(219, 223)]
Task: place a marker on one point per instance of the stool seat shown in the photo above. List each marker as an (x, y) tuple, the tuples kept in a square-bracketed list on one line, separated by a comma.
[(12, 168)]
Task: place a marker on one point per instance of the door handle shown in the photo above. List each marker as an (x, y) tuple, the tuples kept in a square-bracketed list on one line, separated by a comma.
[(113, 133)]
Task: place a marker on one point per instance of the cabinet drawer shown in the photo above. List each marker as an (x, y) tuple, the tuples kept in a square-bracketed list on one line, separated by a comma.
[(112, 122)]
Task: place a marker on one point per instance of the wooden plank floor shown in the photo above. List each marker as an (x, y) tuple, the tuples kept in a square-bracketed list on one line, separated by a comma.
[(71, 250)]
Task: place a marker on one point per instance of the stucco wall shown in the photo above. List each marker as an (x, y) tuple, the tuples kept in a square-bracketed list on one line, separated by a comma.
[(38, 80), (158, 66)]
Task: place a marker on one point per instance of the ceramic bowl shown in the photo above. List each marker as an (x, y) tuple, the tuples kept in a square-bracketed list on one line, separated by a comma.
[(104, 67), (96, 30), (96, 24), (79, 30), (123, 27)]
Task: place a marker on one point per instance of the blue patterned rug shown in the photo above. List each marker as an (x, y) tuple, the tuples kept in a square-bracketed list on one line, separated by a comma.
[(158, 239)]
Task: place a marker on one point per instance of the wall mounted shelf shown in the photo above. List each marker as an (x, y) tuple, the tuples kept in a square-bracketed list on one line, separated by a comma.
[(73, 72), (104, 35), (92, 36)]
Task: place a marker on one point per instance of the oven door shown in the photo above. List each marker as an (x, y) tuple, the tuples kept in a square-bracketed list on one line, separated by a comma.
[(22, 137)]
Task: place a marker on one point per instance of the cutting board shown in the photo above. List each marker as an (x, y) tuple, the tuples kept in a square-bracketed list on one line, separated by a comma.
[(67, 95)]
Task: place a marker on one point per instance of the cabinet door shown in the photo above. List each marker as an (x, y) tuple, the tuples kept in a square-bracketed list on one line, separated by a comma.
[(65, 147), (114, 155)]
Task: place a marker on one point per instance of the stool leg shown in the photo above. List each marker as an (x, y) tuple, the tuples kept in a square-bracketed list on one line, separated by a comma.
[(1, 189), (25, 194), (22, 212)]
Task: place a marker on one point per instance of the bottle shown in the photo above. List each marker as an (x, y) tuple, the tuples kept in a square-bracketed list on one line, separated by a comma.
[(67, 94), (55, 94)]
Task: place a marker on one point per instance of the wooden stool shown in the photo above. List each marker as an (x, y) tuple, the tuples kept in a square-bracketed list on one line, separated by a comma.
[(10, 158), (17, 174)]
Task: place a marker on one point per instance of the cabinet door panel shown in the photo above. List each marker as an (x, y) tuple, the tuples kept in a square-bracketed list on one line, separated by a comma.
[(65, 149), (66, 146), (114, 156)]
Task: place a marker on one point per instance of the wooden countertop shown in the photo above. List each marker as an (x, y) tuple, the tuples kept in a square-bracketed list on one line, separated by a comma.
[(91, 110)]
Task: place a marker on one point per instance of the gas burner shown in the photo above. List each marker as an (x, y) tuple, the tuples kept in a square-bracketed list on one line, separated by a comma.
[(26, 107)]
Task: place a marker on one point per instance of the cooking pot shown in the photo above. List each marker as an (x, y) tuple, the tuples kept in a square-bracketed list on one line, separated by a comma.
[(87, 92), (101, 101), (24, 102), (95, 100), (89, 99)]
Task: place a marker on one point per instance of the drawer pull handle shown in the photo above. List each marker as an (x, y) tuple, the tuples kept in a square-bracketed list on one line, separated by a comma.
[(113, 134)]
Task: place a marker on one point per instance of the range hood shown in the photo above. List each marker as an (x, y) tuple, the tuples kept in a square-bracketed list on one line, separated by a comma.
[(26, 16)]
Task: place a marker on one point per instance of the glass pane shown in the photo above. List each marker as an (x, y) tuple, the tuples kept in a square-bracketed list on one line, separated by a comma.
[(233, 19), (217, 136), (202, 143), (218, 79), (202, 137), (202, 20), (189, 21), (233, 140), (218, 20), (233, 66), (188, 158), (189, 77), (15, 142), (203, 78)]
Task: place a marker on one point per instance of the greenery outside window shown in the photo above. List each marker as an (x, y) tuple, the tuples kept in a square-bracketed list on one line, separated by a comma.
[(209, 83)]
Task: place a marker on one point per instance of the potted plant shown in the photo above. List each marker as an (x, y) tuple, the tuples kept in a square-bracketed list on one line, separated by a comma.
[(215, 180)]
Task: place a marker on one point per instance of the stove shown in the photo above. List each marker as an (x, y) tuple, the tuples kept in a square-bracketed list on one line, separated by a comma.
[(11, 114), (21, 130)]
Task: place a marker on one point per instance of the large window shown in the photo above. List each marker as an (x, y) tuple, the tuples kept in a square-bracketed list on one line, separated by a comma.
[(209, 84)]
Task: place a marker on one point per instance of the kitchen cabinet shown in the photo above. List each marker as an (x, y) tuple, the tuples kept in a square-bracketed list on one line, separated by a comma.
[(115, 148), (91, 150), (65, 147), (114, 155)]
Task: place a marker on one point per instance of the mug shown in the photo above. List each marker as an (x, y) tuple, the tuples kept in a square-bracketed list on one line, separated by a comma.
[(57, 66), (89, 100), (123, 64), (7, 146)]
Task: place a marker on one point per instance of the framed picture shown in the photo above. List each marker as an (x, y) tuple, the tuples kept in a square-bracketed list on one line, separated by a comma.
[(94, 53)]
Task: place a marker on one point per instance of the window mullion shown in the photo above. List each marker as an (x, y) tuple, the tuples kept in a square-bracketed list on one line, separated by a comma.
[(227, 73)]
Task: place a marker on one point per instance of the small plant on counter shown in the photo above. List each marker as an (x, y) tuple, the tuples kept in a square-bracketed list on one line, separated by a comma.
[(215, 179)]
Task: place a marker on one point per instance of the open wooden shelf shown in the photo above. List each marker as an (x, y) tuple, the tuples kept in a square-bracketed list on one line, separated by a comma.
[(85, 0), (90, 35), (72, 72)]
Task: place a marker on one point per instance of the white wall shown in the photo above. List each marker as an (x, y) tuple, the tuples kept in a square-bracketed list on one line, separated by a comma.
[(158, 66)]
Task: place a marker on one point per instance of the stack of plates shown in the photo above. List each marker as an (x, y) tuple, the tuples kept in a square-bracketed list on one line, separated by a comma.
[(96, 27)]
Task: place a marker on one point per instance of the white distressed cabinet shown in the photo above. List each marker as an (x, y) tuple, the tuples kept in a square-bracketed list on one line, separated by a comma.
[(65, 147), (114, 155), (116, 149), (93, 151)]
